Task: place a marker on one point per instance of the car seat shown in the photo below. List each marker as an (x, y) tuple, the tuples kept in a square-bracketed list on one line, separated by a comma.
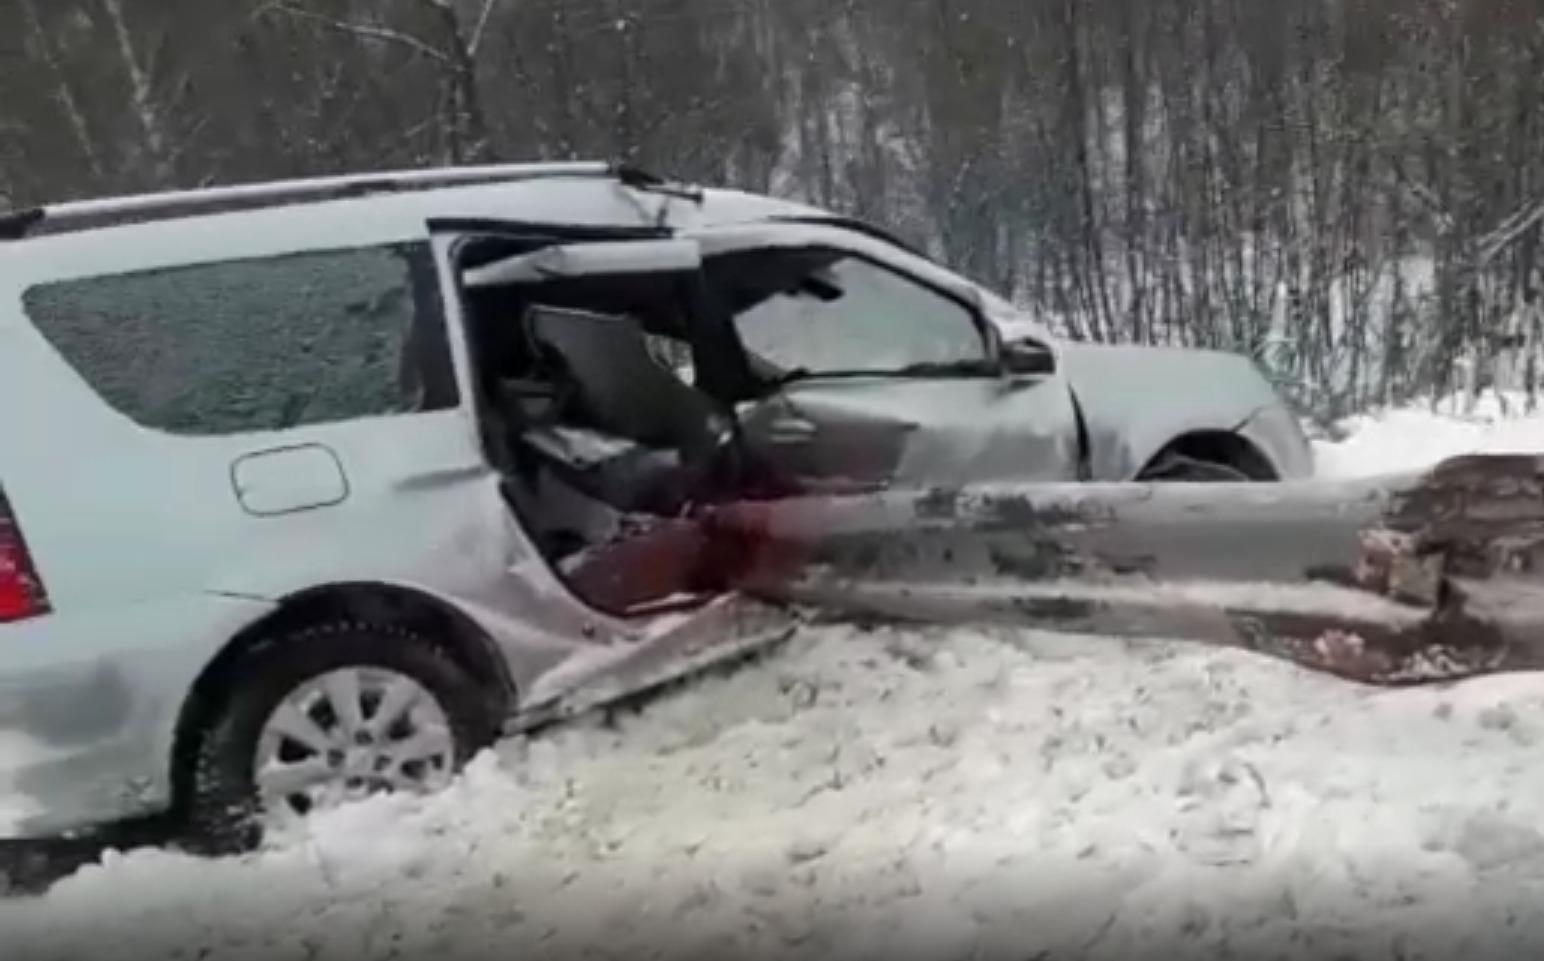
[(674, 438)]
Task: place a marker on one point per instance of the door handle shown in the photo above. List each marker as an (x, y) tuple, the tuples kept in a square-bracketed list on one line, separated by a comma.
[(792, 430)]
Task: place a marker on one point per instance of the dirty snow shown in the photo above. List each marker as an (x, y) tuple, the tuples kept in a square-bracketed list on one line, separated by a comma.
[(1315, 598), (919, 793)]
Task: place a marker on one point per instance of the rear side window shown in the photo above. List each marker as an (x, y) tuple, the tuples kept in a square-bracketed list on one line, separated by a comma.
[(258, 344)]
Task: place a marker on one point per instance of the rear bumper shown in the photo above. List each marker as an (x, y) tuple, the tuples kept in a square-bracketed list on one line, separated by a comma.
[(89, 706)]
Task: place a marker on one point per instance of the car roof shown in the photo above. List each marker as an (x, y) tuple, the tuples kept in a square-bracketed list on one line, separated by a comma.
[(145, 232), (118, 234)]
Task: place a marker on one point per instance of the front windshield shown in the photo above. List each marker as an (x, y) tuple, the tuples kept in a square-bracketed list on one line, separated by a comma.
[(850, 315)]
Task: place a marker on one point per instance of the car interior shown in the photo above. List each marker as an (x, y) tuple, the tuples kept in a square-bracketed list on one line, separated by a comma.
[(594, 378)]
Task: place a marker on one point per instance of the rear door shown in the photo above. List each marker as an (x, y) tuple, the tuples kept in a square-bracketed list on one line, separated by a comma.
[(249, 390), (871, 364)]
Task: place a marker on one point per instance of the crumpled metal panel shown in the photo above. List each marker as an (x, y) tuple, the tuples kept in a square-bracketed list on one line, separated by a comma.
[(1139, 399)]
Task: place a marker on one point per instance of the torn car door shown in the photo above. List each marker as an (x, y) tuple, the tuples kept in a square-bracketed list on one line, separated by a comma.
[(631, 621), (601, 430), (865, 365)]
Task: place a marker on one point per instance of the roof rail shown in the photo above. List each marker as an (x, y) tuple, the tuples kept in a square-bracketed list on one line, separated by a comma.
[(81, 214)]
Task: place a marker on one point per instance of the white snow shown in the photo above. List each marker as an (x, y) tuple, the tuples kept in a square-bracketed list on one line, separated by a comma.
[(1418, 436), (919, 793), (16, 751)]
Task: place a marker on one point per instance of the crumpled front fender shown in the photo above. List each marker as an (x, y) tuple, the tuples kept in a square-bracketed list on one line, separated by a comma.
[(1136, 401)]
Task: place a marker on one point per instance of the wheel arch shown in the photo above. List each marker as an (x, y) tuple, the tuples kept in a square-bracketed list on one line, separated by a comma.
[(1221, 447), (466, 643)]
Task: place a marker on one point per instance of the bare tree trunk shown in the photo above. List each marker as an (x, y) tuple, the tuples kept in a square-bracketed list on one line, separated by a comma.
[(141, 96), (466, 122), (561, 53), (64, 92), (1078, 107), (1134, 103)]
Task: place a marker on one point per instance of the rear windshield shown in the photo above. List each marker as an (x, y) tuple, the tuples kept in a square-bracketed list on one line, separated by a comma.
[(258, 344)]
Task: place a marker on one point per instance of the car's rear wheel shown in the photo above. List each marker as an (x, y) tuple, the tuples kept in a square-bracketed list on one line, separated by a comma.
[(324, 716)]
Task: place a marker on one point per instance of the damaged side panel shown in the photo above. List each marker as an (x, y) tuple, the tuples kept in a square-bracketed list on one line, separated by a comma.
[(911, 432)]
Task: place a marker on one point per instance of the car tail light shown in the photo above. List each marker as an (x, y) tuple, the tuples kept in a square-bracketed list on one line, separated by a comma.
[(21, 591)]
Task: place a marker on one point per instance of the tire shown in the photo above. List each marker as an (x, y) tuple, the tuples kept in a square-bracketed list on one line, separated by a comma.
[(1179, 469), (226, 812)]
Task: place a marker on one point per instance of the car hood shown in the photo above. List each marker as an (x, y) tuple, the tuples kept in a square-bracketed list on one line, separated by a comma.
[(1136, 400)]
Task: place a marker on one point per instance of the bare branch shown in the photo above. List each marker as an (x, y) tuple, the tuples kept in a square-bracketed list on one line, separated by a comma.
[(1509, 231), (482, 26), (1423, 194), (363, 30)]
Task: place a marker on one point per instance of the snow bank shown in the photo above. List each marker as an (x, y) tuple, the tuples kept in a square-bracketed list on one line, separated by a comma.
[(1418, 436), (919, 793), (16, 752)]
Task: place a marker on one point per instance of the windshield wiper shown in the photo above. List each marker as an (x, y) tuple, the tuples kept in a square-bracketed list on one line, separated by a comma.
[(790, 376), (951, 368)]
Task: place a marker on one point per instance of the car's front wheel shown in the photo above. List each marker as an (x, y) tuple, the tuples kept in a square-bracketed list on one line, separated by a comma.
[(1178, 468), (329, 714)]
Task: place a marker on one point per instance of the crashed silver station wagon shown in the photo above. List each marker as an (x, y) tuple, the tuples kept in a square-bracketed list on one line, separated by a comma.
[(311, 489)]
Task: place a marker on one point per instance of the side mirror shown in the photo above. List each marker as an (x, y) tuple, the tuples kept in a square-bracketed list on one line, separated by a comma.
[(1026, 357)]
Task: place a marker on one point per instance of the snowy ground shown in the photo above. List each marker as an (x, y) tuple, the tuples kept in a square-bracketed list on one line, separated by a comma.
[(911, 793), (1416, 437)]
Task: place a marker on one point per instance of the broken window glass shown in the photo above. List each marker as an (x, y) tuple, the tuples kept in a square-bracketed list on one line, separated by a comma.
[(258, 344)]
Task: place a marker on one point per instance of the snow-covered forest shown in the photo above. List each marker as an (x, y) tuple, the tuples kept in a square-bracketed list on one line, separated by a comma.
[(1352, 191)]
